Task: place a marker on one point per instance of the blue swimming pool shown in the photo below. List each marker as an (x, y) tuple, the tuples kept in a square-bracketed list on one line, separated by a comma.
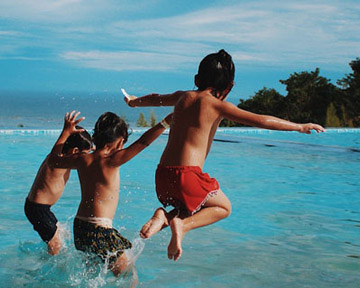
[(295, 218)]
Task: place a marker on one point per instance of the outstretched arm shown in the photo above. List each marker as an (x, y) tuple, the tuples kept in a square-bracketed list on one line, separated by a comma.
[(153, 100), (122, 156), (230, 111), (69, 128)]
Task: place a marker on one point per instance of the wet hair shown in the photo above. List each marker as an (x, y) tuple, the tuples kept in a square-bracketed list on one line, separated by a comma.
[(217, 71), (108, 128), (81, 140)]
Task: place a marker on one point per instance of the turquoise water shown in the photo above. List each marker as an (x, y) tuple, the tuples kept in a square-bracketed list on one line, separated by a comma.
[(295, 220)]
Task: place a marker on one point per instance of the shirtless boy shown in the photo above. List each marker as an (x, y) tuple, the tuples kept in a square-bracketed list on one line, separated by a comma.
[(100, 183), (180, 181), (50, 182)]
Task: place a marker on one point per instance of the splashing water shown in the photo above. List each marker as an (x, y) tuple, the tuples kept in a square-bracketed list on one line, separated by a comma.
[(32, 266)]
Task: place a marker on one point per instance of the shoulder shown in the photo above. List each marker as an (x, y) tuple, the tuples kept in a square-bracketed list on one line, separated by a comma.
[(210, 99), (82, 158)]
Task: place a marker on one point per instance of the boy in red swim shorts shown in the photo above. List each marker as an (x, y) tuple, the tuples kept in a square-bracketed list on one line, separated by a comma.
[(184, 187), (180, 182)]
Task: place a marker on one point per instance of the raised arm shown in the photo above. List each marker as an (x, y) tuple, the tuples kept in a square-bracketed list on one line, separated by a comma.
[(154, 100), (233, 113), (69, 128), (122, 156)]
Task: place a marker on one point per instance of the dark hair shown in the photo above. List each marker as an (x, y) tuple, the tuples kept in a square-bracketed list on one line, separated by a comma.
[(81, 140), (108, 128), (216, 70)]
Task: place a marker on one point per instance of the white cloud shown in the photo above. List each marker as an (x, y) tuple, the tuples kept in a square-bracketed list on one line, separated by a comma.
[(269, 32), (305, 31), (123, 61), (9, 33)]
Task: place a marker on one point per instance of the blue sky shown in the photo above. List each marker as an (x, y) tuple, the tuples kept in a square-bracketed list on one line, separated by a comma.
[(156, 46)]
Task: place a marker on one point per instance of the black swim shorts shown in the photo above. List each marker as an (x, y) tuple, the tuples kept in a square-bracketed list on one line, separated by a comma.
[(105, 242), (43, 220)]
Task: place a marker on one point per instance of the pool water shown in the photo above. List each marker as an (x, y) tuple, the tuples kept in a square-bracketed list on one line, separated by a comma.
[(295, 218)]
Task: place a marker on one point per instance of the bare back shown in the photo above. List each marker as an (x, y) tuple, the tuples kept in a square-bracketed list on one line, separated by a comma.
[(49, 184), (100, 185), (194, 125)]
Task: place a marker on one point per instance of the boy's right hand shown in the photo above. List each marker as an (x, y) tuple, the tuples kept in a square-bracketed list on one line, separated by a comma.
[(129, 99), (70, 122)]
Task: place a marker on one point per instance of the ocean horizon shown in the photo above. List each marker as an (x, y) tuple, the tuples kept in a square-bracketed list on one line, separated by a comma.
[(46, 110)]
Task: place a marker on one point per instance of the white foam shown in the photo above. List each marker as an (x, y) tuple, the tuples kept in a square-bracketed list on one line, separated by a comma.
[(225, 130)]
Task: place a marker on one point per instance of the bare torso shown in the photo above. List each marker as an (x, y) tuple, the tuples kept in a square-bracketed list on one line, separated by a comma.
[(192, 131), (49, 184), (100, 184)]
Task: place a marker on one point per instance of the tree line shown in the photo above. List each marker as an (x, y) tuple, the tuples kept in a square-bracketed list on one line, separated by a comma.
[(310, 98), (141, 122)]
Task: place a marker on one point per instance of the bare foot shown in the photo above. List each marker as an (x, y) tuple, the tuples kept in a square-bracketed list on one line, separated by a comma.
[(157, 222), (174, 248)]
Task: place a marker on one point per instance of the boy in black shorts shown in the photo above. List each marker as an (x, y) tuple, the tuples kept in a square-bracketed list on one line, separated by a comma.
[(50, 182)]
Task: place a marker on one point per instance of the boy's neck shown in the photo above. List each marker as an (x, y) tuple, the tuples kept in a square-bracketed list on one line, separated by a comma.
[(110, 148)]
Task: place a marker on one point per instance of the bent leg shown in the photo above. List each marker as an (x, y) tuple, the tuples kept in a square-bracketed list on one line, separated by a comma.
[(216, 208), (54, 245), (120, 265)]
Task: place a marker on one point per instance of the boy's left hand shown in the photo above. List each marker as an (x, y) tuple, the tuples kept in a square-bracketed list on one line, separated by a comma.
[(70, 122), (306, 128)]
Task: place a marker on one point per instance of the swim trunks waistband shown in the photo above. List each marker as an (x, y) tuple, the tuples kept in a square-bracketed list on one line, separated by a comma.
[(100, 221), (179, 167)]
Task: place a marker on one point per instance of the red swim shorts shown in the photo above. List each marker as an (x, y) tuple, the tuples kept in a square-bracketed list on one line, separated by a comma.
[(184, 187)]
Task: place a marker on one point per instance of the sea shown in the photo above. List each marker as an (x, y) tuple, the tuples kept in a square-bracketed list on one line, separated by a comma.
[(295, 218)]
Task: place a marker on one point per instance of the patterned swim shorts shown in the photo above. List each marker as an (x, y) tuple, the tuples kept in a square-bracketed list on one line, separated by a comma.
[(105, 242)]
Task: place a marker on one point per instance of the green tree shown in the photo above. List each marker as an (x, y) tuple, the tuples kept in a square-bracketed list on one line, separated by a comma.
[(265, 101), (152, 118), (141, 122), (309, 96), (332, 120), (351, 92)]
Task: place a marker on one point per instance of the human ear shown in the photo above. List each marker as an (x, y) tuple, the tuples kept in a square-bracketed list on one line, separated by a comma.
[(75, 150), (196, 80), (120, 143)]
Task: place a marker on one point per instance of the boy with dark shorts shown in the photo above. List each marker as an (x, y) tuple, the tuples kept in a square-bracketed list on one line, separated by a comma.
[(50, 182), (180, 181), (100, 183)]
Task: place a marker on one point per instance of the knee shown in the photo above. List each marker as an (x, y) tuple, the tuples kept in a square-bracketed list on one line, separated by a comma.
[(120, 266), (227, 209)]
